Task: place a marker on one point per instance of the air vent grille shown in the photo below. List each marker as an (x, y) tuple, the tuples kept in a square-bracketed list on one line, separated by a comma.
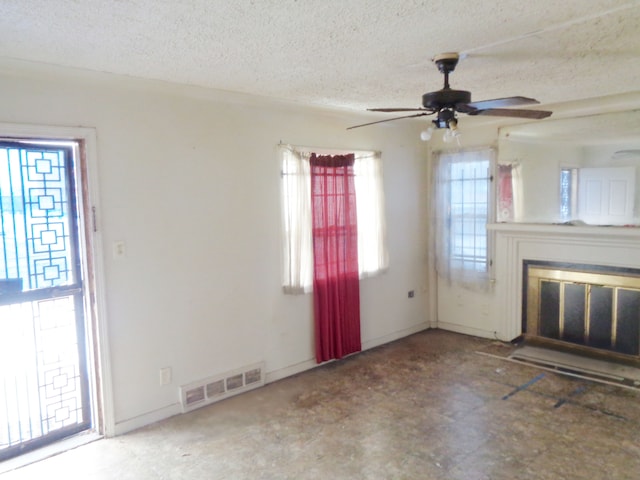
[(234, 382), (194, 395), (213, 389), (253, 376)]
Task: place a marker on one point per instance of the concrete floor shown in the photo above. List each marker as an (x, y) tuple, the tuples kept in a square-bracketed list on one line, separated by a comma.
[(424, 407)]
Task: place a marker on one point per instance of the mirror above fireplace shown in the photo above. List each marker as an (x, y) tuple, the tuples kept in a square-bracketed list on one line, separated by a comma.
[(583, 170)]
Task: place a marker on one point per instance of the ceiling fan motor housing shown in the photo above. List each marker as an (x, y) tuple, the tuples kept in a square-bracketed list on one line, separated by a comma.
[(445, 98)]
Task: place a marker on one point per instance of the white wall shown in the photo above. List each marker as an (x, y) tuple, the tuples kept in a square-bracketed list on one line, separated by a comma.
[(189, 180), (628, 155)]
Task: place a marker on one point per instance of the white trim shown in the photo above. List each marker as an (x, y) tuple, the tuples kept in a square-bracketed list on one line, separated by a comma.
[(289, 371), (369, 344), (145, 419), (376, 342), (554, 230), (476, 332), (89, 137)]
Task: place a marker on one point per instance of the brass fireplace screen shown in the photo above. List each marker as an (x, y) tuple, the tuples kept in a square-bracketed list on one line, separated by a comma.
[(583, 307)]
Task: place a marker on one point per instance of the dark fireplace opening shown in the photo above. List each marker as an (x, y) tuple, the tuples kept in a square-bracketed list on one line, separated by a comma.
[(585, 307)]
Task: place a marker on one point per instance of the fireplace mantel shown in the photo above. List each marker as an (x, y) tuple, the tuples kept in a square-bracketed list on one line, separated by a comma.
[(564, 230), (589, 245)]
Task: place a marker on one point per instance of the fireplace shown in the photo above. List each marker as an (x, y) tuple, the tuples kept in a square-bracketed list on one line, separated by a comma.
[(603, 250), (591, 308)]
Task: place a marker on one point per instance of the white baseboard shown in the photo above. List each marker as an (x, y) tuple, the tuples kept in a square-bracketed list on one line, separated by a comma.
[(311, 363), (476, 332), (145, 419), (290, 370), (376, 342)]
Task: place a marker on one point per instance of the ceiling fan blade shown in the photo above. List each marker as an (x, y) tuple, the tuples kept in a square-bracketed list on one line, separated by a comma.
[(508, 112), (399, 110), (502, 102), (391, 119)]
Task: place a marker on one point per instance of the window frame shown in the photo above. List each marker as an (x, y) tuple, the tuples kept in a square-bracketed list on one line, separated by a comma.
[(465, 213), (298, 279), (450, 265)]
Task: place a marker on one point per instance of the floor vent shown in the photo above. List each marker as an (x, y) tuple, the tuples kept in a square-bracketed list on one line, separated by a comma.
[(212, 389)]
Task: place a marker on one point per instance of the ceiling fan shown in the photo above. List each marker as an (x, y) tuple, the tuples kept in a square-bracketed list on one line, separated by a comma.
[(447, 102)]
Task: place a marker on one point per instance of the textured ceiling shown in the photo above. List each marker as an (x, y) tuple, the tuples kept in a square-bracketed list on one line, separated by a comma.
[(605, 128), (347, 54)]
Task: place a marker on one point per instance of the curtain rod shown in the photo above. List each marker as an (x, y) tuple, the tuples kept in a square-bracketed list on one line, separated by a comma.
[(325, 150), (472, 149)]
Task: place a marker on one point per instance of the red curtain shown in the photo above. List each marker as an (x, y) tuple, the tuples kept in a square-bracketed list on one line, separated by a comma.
[(505, 193), (336, 287)]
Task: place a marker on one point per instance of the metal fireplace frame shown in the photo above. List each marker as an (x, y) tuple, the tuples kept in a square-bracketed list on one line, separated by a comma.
[(610, 309)]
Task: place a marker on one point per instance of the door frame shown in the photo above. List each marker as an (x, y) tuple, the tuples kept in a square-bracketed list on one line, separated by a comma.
[(92, 261)]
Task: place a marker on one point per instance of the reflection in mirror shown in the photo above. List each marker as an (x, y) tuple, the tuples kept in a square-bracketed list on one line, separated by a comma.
[(581, 170)]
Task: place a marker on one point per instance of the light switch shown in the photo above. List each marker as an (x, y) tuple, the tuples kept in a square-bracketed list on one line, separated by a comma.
[(165, 376)]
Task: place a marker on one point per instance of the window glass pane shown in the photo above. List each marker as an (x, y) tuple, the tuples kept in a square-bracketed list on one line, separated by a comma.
[(469, 198), (565, 194)]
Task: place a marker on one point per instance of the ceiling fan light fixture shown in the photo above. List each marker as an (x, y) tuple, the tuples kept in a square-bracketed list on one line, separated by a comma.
[(451, 135), (452, 132), (447, 137), (425, 135)]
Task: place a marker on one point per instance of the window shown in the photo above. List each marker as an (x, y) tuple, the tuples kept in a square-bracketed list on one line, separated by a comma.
[(296, 208), (469, 203), (568, 193), (463, 209)]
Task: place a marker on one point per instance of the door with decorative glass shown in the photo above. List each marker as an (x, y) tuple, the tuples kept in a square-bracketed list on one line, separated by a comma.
[(44, 384)]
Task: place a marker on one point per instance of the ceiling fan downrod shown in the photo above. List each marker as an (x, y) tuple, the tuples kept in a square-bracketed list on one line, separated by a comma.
[(446, 63), (446, 98)]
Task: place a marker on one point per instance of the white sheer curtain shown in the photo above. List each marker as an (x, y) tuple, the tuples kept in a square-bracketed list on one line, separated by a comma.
[(296, 208), (296, 201), (459, 263), (372, 229)]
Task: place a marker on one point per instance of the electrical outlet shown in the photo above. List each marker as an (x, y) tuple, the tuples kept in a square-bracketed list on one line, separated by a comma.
[(119, 249), (165, 376)]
